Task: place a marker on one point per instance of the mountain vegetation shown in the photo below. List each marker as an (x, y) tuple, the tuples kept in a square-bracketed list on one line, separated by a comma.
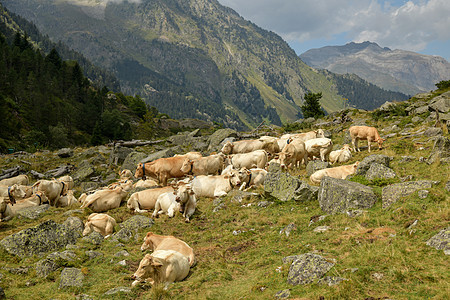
[(192, 58)]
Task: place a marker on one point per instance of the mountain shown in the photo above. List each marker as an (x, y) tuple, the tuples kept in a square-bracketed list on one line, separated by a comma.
[(396, 70), (192, 58)]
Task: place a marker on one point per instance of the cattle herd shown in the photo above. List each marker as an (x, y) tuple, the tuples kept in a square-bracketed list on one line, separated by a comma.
[(241, 164)]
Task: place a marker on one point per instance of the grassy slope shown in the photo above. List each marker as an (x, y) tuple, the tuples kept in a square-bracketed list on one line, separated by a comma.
[(248, 265)]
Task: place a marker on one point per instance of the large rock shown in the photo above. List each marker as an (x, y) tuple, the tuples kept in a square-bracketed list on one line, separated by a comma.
[(217, 137), (45, 237), (379, 171), (281, 185), (84, 171), (441, 103), (53, 262), (94, 238), (169, 152), (392, 193), (441, 150), (441, 241), (306, 192), (33, 212), (71, 277), (65, 152), (118, 155), (136, 223), (308, 268), (339, 196), (432, 131), (132, 160), (365, 164), (316, 165)]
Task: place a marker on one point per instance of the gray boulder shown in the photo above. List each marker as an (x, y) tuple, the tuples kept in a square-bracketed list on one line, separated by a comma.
[(45, 237), (364, 165), (65, 152), (392, 193), (132, 160), (53, 262), (169, 152), (432, 131), (330, 280), (284, 294), (123, 235), (316, 165), (308, 268), (33, 212), (379, 171), (94, 238), (118, 155), (85, 171), (75, 224), (441, 241), (441, 150), (136, 223), (71, 277), (218, 136), (441, 103), (281, 185), (421, 110), (339, 196), (306, 192), (91, 254)]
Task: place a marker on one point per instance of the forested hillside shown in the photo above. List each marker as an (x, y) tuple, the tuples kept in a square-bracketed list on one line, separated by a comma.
[(48, 102)]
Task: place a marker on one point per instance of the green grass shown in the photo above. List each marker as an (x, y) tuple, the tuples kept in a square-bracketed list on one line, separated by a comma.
[(249, 265)]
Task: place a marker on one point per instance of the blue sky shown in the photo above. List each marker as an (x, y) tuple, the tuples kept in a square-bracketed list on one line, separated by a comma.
[(421, 26)]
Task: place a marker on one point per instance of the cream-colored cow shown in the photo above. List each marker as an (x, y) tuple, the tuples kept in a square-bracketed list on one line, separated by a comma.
[(102, 223), (337, 172)]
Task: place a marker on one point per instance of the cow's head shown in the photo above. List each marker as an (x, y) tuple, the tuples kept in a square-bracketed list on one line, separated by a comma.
[(139, 171), (285, 159), (319, 133), (355, 166), (183, 193), (186, 167), (15, 192), (147, 244), (227, 148), (126, 174), (148, 268), (346, 147), (380, 143)]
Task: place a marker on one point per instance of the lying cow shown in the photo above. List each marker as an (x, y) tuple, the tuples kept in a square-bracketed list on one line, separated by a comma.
[(148, 183), (162, 266), (126, 175), (67, 200), (20, 179), (218, 185), (254, 159), (162, 169), (145, 200), (256, 178), (166, 204), (102, 223), (342, 155), (7, 210), (156, 242), (186, 198), (53, 189), (9, 194), (293, 154), (209, 165), (365, 133), (337, 172), (68, 180), (106, 199), (320, 147)]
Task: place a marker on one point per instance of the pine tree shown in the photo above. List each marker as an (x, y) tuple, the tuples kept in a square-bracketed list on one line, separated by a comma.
[(312, 107)]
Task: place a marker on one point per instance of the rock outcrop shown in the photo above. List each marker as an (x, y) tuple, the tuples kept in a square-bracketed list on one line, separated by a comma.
[(308, 268)]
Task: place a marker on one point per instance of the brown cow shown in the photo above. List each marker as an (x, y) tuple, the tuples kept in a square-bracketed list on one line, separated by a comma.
[(162, 169), (365, 133)]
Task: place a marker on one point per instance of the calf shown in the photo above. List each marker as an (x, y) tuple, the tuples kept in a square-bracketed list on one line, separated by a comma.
[(186, 198), (106, 199), (162, 266), (102, 223), (256, 178), (293, 154), (254, 159), (219, 185), (9, 194), (53, 189), (145, 200), (19, 179), (337, 172), (166, 203), (209, 165), (66, 200), (365, 133), (156, 242), (319, 147), (342, 155), (148, 183)]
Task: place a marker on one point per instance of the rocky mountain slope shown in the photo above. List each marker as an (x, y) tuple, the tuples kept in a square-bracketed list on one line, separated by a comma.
[(365, 237), (396, 70), (193, 58)]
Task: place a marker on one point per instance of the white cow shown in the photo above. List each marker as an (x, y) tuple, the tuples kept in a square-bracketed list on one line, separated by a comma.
[(320, 147), (337, 172), (342, 155), (255, 178), (66, 200), (106, 199), (145, 200), (162, 266), (19, 179), (254, 159), (166, 204), (53, 189), (218, 185), (102, 223), (188, 202)]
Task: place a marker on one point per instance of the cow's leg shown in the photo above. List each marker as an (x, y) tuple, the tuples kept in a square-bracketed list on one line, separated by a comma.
[(219, 193), (109, 228), (368, 143), (157, 208)]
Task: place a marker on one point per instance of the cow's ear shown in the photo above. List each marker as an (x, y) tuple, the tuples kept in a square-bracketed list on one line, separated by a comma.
[(191, 192), (156, 263), (226, 177), (288, 155)]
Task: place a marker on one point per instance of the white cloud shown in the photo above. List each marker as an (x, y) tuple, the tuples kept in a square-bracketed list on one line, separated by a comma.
[(407, 25)]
